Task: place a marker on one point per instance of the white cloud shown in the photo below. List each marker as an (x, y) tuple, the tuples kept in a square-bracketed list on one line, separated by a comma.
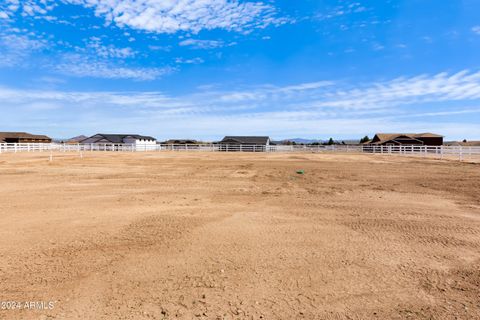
[(378, 47), (94, 60), (204, 44), (476, 30), (3, 15), (189, 61), (160, 48), (402, 91), (76, 65), (16, 48), (29, 7), (169, 16), (108, 51)]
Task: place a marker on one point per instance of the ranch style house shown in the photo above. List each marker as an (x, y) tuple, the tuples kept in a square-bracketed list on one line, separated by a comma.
[(394, 139), (23, 137), (246, 140), (140, 142)]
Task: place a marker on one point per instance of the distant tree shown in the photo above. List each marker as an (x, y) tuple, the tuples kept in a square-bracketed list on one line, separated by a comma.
[(343, 142), (289, 143), (464, 140), (364, 139), (330, 141)]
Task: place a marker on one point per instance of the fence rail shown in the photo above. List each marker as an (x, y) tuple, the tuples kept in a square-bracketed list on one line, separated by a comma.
[(457, 152)]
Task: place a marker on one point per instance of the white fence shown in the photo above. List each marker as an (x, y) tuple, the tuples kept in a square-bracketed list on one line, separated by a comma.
[(446, 152), (42, 147), (442, 152)]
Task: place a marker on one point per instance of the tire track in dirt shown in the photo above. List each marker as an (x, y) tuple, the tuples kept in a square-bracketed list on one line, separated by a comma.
[(57, 272), (227, 269)]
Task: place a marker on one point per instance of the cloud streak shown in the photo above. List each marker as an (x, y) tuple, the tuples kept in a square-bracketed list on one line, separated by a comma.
[(205, 44), (77, 66)]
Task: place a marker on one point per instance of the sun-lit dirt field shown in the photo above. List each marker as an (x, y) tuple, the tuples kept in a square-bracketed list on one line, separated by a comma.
[(239, 236)]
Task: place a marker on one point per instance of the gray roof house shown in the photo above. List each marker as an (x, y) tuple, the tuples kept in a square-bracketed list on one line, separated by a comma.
[(117, 139), (246, 140)]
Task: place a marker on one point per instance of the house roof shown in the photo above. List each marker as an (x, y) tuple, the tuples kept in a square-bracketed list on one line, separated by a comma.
[(392, 136), (117, 138), (22, 135), (181, 141), (248, 139), (427, 135)]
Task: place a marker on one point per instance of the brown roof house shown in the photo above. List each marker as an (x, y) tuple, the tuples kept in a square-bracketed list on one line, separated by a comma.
[(423, 139), (23, 137)]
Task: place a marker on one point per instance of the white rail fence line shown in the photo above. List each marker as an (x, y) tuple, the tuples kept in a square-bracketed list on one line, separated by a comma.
[(41, 147), (457, 152), (442, 152)]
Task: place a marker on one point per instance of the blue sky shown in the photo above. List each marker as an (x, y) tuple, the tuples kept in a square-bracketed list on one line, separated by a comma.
[(208, 68)]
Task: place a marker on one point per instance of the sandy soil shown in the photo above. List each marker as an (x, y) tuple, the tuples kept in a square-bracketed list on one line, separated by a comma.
[(239, 236)]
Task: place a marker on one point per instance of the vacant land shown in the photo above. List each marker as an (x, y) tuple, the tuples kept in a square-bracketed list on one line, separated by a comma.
[(239, 236)]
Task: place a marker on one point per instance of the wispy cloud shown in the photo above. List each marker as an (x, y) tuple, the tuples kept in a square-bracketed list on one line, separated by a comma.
[(94, 59), (160, 48), (15, 48), (402, 91), (107, 51), (341, 10), (77, 65), (196, 60), (476, 30), (205, 44), (307, 109)]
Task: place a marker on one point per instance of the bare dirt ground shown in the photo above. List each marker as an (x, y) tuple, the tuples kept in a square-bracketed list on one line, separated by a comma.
[(239, 236)]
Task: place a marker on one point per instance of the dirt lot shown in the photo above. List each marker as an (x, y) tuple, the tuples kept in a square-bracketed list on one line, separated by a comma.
[(239, 236)]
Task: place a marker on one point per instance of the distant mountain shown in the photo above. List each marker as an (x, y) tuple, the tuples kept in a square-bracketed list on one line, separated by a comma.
[(309, 141), (305, 141), (76, 139)]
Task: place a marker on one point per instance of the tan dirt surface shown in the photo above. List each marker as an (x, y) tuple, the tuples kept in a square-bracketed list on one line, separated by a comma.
[(239, 236)]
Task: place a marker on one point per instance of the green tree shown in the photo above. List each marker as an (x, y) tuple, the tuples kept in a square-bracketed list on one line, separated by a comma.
[(330, 141), (364, 139)]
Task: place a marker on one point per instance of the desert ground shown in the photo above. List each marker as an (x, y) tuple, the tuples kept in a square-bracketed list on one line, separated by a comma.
[(239, 236)]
